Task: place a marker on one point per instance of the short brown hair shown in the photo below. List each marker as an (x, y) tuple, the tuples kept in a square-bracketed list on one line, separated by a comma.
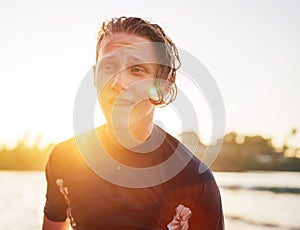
[(154, 33)]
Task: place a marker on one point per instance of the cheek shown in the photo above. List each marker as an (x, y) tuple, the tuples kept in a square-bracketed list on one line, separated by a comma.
[(102, 95), (143, 104), (141, 91), (102, 85)]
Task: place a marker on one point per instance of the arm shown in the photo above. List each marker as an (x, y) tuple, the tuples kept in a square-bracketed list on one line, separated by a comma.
[(53, 225), (211, 205), (55, 209)]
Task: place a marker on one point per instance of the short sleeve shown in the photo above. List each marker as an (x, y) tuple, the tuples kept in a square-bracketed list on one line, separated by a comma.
[(210, 208), (55, 207)]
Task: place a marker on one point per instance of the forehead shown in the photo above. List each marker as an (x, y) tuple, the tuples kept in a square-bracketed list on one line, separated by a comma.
[(127, 45)]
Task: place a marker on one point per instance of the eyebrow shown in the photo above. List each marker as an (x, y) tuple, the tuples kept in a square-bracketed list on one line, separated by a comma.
[(140, 60), (107, 57)]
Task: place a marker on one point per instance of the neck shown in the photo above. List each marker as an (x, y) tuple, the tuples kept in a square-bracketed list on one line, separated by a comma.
[(129, 138), (141, 133)]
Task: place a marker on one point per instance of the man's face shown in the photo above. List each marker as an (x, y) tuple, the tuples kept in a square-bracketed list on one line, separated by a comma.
[(124, 75)]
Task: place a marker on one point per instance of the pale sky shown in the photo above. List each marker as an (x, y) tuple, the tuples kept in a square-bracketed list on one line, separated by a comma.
[(251, 48)]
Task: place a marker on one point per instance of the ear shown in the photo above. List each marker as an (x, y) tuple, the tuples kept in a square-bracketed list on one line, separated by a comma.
[(170, 81), (173, 76)]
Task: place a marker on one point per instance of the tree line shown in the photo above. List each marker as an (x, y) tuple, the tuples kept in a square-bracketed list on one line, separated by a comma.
[(24, 157), (238, 153)]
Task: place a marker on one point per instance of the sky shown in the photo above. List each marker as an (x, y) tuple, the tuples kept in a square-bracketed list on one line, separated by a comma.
[(251, 48)]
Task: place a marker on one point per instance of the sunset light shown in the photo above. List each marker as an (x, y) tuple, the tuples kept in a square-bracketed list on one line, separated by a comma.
[(240, 112)]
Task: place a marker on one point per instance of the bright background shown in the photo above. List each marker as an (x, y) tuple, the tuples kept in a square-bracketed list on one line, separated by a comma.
[(251, 48)]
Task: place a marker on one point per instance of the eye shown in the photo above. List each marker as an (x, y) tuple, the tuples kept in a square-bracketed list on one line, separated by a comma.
[(108, 68), (137, 69)]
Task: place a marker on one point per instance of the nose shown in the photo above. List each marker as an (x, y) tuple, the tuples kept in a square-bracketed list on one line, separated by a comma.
[(119, 81)]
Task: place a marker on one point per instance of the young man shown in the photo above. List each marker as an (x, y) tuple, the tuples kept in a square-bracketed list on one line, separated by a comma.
[(135, 72)]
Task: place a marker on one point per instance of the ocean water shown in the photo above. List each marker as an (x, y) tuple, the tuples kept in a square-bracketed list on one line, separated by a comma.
[(260, 200), (251, 200)]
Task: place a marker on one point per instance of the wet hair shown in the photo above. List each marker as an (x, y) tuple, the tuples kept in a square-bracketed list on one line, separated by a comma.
[(167, 52)]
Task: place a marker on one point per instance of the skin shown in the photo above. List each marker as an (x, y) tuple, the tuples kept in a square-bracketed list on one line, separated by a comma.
[(133, 101), (123, 86)]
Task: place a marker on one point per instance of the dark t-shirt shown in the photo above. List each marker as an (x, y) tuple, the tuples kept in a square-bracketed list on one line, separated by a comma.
[(96, 203)]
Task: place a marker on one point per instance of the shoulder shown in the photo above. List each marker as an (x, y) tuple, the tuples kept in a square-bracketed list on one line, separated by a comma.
[(70, 147), (63, 151), (62, 155), (195, 170), (68, 153)]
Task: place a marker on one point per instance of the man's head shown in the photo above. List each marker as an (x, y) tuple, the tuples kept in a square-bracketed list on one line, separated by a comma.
[(166, 52), (135, 71)]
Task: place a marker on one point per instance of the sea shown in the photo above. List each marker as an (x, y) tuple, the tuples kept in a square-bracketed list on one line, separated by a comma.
[(256, 200)]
